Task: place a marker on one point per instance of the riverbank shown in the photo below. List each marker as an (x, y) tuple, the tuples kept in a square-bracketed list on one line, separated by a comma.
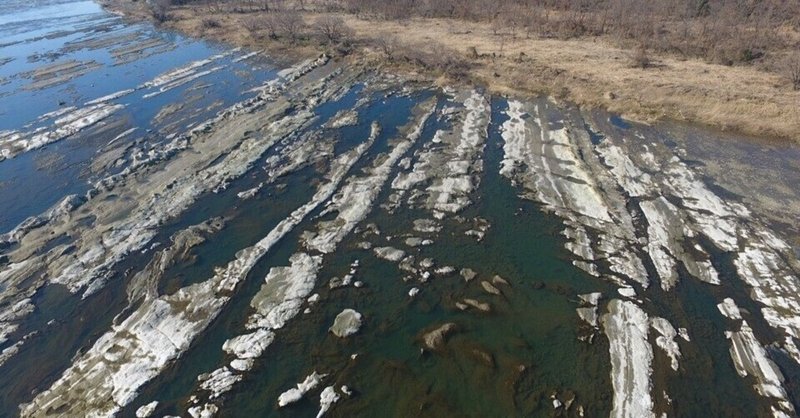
[(590, 72)]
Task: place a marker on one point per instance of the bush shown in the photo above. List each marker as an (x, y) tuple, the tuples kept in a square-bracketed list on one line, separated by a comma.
[(640, 58), (332, 29), (791, 69), (387, 45), (160, 10), (210, 23), (290, 24), (437, 58)]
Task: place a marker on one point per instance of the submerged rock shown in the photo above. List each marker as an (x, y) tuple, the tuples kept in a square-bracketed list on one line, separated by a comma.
[(347, 323), (497, 280), (435, 340), (489, 288), (468, 274), (467, 303)]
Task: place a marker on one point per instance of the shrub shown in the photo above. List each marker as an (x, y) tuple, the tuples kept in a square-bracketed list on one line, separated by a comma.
[(160, 10), (332, 29), (791, 69), (290, 24), (640, 58), (210, 23)]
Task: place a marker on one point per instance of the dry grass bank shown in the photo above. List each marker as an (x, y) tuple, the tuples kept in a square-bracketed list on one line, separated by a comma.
[(589, 71)]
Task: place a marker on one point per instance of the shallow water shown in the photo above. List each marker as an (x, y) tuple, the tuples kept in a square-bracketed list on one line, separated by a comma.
[(514, 224)]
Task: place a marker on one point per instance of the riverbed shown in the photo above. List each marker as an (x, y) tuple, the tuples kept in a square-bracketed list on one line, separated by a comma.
[(191, 229)]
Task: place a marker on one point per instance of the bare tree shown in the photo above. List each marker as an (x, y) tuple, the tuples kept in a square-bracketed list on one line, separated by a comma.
[(291, 24), (160, 9), (387, 45), (332, 29), (271, 24), (792, 69), (640, 58)]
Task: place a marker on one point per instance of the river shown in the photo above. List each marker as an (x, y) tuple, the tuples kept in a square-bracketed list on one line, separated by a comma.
[(185, 225)]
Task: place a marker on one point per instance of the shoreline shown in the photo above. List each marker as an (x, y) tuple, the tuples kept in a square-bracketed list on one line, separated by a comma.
[(587, 72)]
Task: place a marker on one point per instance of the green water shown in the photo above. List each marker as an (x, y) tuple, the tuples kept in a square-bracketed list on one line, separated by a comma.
[(530, 335)]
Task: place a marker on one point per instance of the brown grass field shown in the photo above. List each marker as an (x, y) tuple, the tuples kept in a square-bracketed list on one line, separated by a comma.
[(590, 71)]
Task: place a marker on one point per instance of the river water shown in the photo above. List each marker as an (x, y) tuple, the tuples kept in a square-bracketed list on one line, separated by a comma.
[(215, 209)]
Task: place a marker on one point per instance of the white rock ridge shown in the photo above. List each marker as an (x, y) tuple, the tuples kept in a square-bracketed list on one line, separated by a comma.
[(626, 326), (296, 393)]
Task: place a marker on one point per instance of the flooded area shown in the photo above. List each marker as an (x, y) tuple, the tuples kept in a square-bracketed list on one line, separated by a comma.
[(190, 229)]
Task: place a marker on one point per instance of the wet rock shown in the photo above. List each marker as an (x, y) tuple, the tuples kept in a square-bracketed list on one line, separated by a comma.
[(427, 226), (347, 323), (407, 264), (343, 118), (389, 253), (751, 359), (327, 398), (425, 276), (472, 303), (248, 346), (296, 393), (591, 298), (145, 411), (478, 235), (468, 274), (497, 280), (684, 333), (434, 340), (729, 309), (626, 326), (204, 411), (628, 292), (219, 381), (588, 315), (489, 288), (445, 271), (666, 340), (335, 283), (242, 365), (413, 241), (426, 263)]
